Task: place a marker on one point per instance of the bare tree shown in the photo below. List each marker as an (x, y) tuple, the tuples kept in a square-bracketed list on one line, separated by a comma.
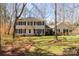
[(0, 37), (1, 16), (17, 17), (5, 19), (41, 10), (56, 21), (10, 13)]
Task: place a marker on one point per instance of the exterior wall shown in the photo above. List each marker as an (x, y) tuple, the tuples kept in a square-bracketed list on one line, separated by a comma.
[(63, 26), (30, 27), (39, 27), (27, 33), (31, 33)]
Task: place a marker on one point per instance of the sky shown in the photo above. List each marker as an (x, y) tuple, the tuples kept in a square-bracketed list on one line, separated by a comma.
[(48, 9)]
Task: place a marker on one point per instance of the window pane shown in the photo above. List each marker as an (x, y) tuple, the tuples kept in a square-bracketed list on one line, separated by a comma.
[(27, 23), (43, 23), (29, 31)]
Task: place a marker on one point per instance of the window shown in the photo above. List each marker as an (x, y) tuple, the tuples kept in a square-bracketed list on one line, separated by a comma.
[(20, 31), (34, 30), (29, 31), (17, 30), (43, 23), (24, 31), (65, 30), (17, 23), (38, 23), (29, 23), (58, 30), (20, 23), (43, 30), (34, 23), (23, 23)]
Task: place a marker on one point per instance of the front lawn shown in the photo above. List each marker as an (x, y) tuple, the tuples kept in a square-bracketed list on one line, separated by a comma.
[(46, 42)]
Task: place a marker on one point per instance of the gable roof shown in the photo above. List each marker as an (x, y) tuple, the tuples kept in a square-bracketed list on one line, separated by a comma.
[(66, 23)]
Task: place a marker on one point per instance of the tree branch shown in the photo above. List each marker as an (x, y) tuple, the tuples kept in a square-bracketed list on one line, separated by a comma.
[(21, 11)]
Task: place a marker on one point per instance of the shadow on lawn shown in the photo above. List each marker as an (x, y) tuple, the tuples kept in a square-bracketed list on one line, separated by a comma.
[(42, 52), (25, 52), (38, 52)]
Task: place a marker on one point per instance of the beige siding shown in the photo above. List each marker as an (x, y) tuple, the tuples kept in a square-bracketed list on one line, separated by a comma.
[(62, 26), (30, 27)]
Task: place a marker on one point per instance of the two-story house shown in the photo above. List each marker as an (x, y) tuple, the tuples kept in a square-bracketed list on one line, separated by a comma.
[(30, 26)]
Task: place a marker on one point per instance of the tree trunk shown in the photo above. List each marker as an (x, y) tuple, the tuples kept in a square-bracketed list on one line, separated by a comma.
[(0, 36), (14, 28), (56, 22), (9, 28), (17, 17)]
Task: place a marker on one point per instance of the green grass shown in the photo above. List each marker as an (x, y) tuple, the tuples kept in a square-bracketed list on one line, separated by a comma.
[(42, 42), (74, 37), (58, 50)]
